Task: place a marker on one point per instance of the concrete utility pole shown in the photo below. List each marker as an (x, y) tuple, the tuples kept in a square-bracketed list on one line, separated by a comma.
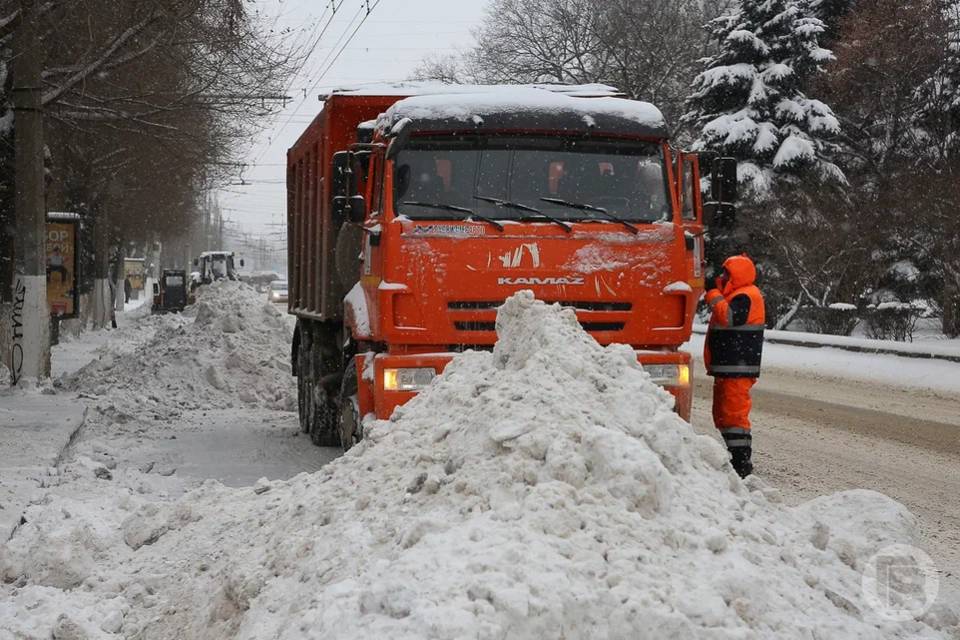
[(30, 352)]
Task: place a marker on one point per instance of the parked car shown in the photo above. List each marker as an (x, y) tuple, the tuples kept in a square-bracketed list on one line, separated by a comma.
[(277, 291)]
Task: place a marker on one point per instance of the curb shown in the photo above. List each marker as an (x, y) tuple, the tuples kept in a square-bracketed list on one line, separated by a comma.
[(72, 438), (855, 348)]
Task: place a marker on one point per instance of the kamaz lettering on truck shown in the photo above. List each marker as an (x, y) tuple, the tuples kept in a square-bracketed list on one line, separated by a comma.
[(412, 217)]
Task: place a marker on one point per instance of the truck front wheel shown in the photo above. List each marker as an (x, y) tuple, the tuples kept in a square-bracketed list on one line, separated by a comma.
[(350, 428)]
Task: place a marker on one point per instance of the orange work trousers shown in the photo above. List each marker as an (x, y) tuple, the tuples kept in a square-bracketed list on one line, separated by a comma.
[(731, 403)]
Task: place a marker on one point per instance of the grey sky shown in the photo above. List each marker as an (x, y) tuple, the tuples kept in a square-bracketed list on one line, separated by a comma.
[(388, 46)]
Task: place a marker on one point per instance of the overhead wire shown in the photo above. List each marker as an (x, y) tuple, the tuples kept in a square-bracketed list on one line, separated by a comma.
[(327, 62), (334, 6)]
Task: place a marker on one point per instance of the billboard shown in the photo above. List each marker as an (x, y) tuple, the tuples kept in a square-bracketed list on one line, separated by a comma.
[(62, 277), (133, 269)]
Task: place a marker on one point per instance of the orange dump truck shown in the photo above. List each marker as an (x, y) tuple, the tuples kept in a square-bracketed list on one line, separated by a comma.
[(415, 210)]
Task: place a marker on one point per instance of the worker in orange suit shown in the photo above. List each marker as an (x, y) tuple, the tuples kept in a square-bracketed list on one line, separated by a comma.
[(732, 354)]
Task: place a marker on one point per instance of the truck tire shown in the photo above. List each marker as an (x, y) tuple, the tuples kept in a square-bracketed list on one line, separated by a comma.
[(324, 432), (302, 406), (318, 415), (302, 363), (350, 430), (324, 360)]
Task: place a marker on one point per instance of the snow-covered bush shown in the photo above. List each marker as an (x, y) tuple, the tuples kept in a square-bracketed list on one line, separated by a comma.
[(837, 319), (892, 321)]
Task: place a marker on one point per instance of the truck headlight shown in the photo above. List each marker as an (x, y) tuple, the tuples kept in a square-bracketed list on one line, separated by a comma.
[(669, 375), (407, 379)]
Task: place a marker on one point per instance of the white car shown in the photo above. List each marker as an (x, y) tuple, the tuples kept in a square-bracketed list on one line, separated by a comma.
[(277, 291)]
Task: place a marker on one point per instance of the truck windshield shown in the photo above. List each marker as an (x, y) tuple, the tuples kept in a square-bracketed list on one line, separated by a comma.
[(491, 176)]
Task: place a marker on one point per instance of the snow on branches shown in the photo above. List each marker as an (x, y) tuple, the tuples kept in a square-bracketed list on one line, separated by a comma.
[(750, 102)]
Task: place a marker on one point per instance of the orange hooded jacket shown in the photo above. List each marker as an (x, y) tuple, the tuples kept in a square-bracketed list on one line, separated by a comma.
[(734, 343)]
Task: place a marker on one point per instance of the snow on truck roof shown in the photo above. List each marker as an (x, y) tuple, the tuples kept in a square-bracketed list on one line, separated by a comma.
[(526, 107)]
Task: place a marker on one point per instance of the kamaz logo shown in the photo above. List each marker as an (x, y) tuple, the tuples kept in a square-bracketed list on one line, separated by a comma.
[(540, 281)]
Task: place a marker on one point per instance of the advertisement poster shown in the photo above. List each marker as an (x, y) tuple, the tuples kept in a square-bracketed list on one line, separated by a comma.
[(62, 277), (133, 271)]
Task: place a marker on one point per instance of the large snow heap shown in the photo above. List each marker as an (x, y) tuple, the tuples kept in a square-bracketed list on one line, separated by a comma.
[(230, 348), (544, 490)]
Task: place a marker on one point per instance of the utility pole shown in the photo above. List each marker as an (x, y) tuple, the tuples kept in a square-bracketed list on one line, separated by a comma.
[(30, 351)]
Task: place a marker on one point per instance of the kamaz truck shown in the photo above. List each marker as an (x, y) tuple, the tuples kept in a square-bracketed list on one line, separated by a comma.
[(414, 211)]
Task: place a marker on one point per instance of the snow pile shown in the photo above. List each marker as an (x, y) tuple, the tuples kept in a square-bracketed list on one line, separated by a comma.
[(230, 345), (543, 490)]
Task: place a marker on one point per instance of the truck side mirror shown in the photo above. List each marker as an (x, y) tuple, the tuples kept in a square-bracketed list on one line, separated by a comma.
[(341, 174), (356, 209), (719, 210), (723, 180), (361, 164)]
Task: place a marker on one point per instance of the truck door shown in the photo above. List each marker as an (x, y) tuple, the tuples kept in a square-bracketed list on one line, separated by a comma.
[(691, 209)]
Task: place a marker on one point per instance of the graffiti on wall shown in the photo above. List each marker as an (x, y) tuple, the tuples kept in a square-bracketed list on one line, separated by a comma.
[(16, 355)]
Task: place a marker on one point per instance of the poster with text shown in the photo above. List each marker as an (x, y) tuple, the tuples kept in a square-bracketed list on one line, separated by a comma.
[(62, 268)]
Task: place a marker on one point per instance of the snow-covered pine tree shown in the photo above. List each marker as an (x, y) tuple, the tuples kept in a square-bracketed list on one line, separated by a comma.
[(751, 102)]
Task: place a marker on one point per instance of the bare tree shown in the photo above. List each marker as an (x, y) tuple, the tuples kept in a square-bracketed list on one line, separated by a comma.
[(645, 49), (145, 103)]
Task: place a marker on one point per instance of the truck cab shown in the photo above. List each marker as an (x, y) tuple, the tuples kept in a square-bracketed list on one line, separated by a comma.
[(454, 201)]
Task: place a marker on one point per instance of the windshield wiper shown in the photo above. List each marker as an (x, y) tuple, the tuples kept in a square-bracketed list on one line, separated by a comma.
[(452, 207), (537, 214), (589, 207)]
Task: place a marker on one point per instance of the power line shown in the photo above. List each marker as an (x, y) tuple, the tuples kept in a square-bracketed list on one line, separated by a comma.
[(369, 9), (334, 7)]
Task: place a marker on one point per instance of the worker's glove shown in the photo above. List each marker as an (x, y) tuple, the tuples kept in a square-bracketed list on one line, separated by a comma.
[(740, 447), (712, 297), (720, 283)]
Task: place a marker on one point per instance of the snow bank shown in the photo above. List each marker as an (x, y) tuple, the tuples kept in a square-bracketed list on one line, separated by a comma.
[(543, 490), (230, 346)]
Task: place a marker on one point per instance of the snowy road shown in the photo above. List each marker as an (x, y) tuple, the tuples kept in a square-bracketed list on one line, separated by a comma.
[(233, 446), (816, 434)]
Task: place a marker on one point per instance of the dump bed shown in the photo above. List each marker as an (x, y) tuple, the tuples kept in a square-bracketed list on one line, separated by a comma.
[(314, 288)]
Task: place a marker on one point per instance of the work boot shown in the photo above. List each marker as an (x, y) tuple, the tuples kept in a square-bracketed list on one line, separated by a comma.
[(740, 447)]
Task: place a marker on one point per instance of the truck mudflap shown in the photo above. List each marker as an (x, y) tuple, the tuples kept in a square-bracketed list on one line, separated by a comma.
[(396, 379)]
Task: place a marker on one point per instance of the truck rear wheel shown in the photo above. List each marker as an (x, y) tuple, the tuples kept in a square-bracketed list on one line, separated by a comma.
[(302, 406), (324, 432), (316, 357)]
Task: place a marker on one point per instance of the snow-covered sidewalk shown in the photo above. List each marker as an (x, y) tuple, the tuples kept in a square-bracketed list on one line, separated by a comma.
[(936, 375), (36, 426), (927, 349)]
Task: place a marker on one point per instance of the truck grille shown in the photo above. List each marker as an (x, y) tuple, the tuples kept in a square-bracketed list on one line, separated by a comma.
[(581, 305), (483, 325)]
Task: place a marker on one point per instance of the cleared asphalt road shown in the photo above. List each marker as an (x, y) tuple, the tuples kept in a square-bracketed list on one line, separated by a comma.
[(817, 434)]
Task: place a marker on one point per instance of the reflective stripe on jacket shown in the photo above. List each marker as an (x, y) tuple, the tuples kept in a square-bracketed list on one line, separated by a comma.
[(734, 344)]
